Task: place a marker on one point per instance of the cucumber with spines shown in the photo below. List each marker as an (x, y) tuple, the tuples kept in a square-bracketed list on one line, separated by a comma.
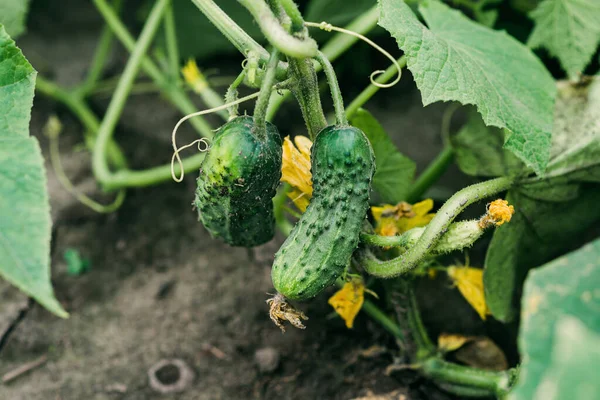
[(237, 182), (321, 244)]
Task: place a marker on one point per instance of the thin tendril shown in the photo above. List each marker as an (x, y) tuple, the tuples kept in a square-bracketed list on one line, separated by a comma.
[(64, 180), (328, 28)]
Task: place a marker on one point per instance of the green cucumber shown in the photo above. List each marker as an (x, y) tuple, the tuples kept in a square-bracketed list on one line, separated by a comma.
[(238, 180), (321, 244)]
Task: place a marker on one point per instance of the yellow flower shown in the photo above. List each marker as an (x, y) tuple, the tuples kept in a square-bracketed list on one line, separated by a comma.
[(295, 170), (193, 76), (348, 301), (448, 342), (469, 281), (498, 212), (393, 220)]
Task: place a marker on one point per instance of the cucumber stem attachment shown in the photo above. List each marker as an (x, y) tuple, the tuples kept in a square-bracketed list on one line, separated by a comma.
[(262, 103), (336, 93)]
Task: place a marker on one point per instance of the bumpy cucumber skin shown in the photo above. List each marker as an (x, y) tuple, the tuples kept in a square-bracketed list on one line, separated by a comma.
[(321, 244), (238, 180)]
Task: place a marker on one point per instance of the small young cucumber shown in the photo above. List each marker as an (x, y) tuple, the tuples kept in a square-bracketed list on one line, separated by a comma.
[(319, 247), (238, 180)]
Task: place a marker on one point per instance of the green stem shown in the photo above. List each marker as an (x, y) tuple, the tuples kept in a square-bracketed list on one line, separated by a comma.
[(101, 53), (99, 165), (370, 90), (173, 93), (88, 119), (306, 91), (232, 94), (276, 34), (232, 31), (291, 9), (260, 109), (386, 322), (171, 42), (458, 236), (336, 93), (496, 383), (435, 229), (415, 324), (431, 174)]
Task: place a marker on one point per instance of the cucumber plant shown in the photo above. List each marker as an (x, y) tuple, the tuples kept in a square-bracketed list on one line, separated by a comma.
[(536, 138)]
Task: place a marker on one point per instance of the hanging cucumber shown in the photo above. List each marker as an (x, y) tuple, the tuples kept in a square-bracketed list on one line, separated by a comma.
[(319, 247), (238, 180), (240, 174)]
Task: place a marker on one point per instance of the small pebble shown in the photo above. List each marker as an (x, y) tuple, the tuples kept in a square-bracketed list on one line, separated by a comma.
[(267, 359)]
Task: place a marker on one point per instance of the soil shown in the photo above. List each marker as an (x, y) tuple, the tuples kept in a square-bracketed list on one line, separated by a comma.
[(160, 288)]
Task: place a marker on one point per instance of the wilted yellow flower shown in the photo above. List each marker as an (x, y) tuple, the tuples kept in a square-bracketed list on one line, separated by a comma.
[(469, 281), (295, 170), (498, 212), (348, 301), (193, 76), (393, 220), (448, 342)]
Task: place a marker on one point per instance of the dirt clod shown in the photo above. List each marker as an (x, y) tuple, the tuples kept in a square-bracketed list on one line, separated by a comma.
[(267, 359)]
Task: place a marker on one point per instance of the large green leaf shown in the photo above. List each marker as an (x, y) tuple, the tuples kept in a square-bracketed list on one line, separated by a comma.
[(575, 151), (24, 207), (457, 59), (539, 231), (569, 29), (560, 327), (478, 150), (12, 16), (395, 171)]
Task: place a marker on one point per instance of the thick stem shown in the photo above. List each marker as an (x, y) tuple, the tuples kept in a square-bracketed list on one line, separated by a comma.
[(87, 118), (336, 93), (260, 109), (276, 34), (386, 322), (431, 174), (291, 9), (232, 94), (173, 93), (370, 90), (435, 229), (171, 42), (306, 91), (497, 383), (99, 165), (101, 53)]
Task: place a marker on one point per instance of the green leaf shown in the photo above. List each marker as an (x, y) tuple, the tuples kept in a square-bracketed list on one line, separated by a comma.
[(478, 150), (24, 206), (395, 171), (458, 59), (575, 152), (569, 29), (12, 16), (560, 326), (538, 231)]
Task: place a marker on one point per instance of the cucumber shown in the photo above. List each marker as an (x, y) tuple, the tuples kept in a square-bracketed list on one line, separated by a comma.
[(321, 244), (237, 182)]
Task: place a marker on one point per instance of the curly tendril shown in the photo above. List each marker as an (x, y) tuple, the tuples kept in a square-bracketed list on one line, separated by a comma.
[(328, 28)]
